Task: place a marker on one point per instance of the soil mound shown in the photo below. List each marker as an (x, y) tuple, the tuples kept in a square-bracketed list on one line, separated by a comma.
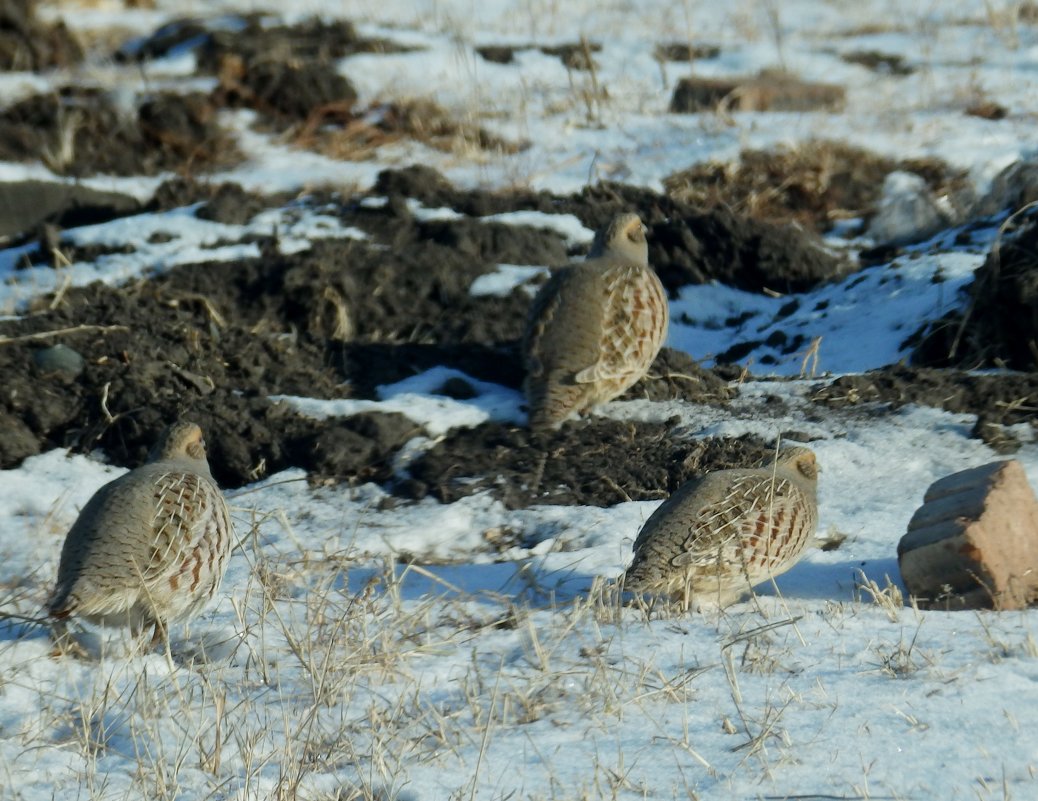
[(213, 341), (596, 462), (999, 326)]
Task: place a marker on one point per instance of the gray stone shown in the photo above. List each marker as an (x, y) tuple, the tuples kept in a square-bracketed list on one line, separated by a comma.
[(59, 359), (907, 211)]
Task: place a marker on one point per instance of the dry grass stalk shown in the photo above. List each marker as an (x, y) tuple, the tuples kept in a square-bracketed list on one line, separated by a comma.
[(60, 332), (338, 131), (889, 597)]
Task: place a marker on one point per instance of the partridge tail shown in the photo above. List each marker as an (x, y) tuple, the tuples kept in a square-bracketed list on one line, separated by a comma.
[(550, 402), (59, 605), (642, 577)]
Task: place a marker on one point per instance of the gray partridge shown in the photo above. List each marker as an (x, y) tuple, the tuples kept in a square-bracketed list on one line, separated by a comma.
[(721, 534), (595, 327), (150, 546)]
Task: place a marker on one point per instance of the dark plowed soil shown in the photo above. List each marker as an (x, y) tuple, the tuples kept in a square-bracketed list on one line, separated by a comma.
[(998, 399), (290, 76), (814, 184), (683, 51), (81, 132), (284, 92), (1003, 396), (24, 205), (164, 352), (595, 462), (287, 74), (999, 327), (213, 341), (883, 63), (27, 43), (675, 376), (686, 245), (252, 41), (574, 56)]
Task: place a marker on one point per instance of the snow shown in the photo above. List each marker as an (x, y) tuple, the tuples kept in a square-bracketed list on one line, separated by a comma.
[(565, 224), (162, 241), (329, 669), (506, 278), (898, 298), (419, 398)]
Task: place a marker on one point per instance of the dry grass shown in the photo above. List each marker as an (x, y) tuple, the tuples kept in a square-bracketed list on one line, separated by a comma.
[(327, 689), (888, 597), (903, 659), (339, 132), (813, 184)]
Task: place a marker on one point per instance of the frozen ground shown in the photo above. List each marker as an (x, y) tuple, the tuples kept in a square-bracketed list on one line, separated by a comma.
[(330, 671)]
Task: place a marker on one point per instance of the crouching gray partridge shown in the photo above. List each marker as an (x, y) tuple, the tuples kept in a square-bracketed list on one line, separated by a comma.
[(151, 546), (721, 534), (595, 327)]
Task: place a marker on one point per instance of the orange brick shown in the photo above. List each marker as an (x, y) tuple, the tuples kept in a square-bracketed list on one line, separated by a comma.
[(973, 544)]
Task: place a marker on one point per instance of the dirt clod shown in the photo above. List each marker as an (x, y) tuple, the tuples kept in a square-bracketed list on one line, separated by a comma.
[(998, 398), (877, 61), (574, 56), (284, 91), (999, 325), (814, 184), (25, 205), (740, 251), (30, 44), (683, 51), (80, 132), (771, 90)]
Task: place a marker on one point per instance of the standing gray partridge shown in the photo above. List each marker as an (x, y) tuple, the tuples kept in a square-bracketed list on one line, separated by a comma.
[(721, 534), (595, 327), (150, 546)]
